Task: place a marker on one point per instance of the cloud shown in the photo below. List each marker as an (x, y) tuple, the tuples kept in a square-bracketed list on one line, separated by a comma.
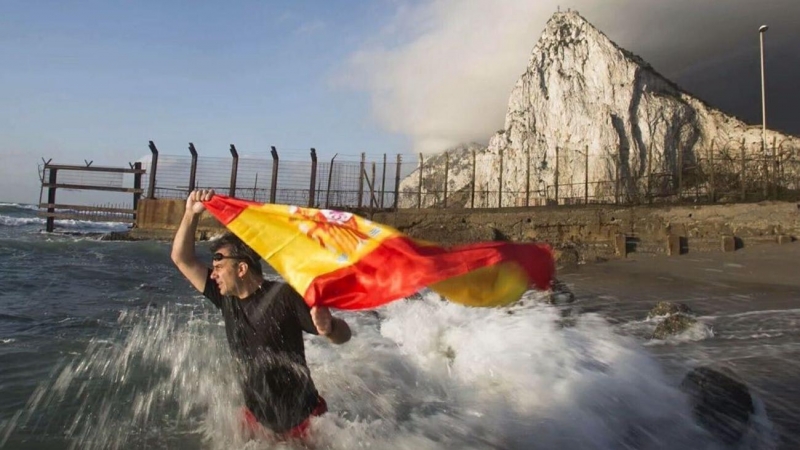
[(441, 71)]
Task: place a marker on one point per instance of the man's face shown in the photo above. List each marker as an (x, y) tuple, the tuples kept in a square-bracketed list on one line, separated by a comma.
[(225, 271)]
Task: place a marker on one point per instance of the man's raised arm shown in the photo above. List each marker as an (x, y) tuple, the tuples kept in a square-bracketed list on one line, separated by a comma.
[(183, 254)]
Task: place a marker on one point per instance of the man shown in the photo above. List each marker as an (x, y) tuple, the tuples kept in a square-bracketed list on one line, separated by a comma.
[(264, 322)]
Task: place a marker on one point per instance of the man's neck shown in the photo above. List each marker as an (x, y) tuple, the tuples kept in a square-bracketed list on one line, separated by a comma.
[(248, 286)]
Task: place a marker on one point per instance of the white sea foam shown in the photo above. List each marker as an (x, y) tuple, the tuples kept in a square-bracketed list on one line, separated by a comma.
[(19, 221), (20, 206), (698, 331), (67, 224), (421, 374)]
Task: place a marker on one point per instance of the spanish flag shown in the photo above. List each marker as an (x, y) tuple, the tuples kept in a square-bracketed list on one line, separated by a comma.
[(343, 261)]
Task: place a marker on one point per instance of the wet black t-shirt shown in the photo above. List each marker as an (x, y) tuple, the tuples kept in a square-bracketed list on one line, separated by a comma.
[(265, 334)]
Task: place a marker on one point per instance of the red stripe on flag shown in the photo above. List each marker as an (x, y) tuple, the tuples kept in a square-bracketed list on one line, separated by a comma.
[(226, 209), (399, 267)]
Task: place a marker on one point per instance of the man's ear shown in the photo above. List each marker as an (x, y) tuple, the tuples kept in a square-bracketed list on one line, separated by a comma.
[(242, 269)]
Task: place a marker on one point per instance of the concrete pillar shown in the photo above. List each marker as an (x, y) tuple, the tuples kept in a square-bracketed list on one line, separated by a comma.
[(674, 246), (728, 243), (621, 245)]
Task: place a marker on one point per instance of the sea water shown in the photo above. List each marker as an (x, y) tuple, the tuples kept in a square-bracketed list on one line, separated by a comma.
[(105, 345)]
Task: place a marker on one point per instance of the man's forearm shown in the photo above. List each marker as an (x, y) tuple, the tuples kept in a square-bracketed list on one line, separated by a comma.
[(183, 244)]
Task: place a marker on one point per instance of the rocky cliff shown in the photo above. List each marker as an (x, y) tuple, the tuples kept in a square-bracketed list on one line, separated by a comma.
[(588, 113)]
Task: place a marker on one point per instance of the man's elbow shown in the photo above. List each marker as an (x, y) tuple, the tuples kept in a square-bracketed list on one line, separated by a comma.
[(176, 258), (180, 259)]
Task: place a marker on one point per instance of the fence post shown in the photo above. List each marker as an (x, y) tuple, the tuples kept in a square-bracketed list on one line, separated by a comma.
[(741, 175), (500, 184), (680, 174), (774, 169), (446, 176), (234, 170), (397, 182), (586, 178), (419, 187), (273, 188), (372, 189), (330, 177), (137, 184), (472, 197), (153, 166), (312, 188), (51, 199), (361, 174), (713, 187), (383, 181), (527, 176), (556, 175), (193, 168)]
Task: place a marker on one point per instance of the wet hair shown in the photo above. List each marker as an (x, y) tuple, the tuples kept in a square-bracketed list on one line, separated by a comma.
[(240, 251)]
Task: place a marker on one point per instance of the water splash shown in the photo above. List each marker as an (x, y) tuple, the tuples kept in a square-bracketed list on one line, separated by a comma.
[(421, 374)]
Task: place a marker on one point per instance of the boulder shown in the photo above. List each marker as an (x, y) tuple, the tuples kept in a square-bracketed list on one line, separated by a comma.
[(667, 309), (118, 236), (720, 403), (560, 294), (672, 325)]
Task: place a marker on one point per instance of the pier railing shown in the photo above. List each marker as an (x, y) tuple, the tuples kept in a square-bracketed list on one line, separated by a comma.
[(72, 178)]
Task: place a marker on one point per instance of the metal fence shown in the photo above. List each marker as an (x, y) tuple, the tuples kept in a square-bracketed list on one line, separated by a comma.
[(340, 182), (463, 178)]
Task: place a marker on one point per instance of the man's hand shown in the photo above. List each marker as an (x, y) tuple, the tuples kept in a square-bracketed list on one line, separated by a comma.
[(183, 254), (323, 319), (194, 202), (334, 329)]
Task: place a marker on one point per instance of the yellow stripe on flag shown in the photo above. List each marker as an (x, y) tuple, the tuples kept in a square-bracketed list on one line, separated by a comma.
[(301, 246)]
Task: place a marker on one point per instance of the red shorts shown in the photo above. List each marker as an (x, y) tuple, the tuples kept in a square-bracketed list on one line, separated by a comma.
[(252, 426)]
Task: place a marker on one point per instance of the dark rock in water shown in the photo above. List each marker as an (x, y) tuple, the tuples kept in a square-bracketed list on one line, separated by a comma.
[(118, 236), (672, 325), (667, 309), (720, 403), (560, 294)]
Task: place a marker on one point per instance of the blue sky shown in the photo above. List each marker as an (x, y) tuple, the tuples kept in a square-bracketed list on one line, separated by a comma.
[(96, 80)]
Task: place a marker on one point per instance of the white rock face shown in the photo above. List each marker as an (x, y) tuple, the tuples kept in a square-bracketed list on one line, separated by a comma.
[(456, 163), (583, 95)]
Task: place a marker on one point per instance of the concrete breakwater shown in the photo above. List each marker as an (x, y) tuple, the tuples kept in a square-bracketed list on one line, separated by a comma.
[(580, 233)]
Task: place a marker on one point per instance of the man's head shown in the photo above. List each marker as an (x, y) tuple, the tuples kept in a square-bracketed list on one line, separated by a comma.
[(234, 262)]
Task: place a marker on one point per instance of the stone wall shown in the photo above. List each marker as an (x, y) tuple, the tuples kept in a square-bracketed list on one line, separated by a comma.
[(590, 232), (583, 233)]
